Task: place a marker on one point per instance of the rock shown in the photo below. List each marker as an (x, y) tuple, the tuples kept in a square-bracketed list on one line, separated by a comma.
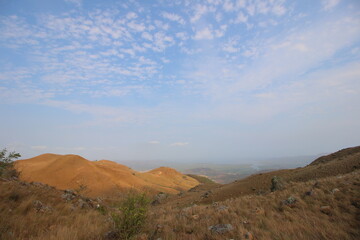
[(276, 184), (82, 204), (309, 193), (259, 211), (206, 194), (249, 235), (159, 198), (335, 190), (222, 208), (221, 228), (195, 217), (142, 237), (68, 195), (112, 235), (40, 207), (326, 210), (356, 202), (159, 228)]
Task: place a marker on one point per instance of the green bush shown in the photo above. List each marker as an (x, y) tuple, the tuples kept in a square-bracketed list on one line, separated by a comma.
[(133, 209), (7, 165)]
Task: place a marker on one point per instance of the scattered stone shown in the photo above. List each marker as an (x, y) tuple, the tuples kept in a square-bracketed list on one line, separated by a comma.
[(335, 190), (68, 195), (356, 203), (40, 207), (112, 235), (39, 184), (259, 211), (221, 228), (159, 228), (249, 235), (222, 208), (195, 217), (82, 204), (309, 193), (276, 184), (143, 237), (159, 198), (206, 194), (326, 210)]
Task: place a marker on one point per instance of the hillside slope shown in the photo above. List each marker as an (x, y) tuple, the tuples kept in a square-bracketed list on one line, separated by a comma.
[(323, 209), (100, 178), (341, 162)]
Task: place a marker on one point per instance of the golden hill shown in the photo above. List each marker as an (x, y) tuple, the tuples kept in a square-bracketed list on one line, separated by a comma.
[(99, 178)]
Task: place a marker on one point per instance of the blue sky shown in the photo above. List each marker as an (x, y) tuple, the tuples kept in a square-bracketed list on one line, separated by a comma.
[(211, 80)]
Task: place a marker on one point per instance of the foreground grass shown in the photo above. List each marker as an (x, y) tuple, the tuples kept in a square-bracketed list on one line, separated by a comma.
[(324, 209), (23, 217)]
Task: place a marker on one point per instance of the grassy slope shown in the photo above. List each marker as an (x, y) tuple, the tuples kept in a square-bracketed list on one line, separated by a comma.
[(265, 217)]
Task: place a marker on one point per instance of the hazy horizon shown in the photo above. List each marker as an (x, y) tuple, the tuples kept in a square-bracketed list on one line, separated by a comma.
[(179, 81)]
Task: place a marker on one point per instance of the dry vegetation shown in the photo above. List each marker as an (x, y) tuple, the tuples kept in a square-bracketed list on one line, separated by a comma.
[(267, 216), (36, 211), (320, 201)]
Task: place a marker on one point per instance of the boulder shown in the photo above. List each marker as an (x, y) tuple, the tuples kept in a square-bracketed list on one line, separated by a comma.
[(326, 210), (249, 235), (221, 228)]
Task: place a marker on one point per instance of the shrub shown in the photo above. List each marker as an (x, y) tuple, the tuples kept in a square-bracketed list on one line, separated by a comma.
[(7, 165), (132, 217), (276, 184)]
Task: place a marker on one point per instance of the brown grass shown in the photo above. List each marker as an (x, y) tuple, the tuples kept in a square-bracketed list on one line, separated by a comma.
[(20, 219), (266, 217)]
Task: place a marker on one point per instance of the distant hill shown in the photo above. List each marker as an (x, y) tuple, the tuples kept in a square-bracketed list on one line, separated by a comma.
[(99, 178)]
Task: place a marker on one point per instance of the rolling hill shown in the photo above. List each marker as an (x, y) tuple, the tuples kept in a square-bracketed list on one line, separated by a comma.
[(99, 178)]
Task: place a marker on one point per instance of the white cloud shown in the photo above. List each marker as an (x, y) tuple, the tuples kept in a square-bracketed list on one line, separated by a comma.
[(205, 33), (147, 36), (182, 35), (199, 11), (154, 142), (139, 27), (329, 4), (173, 17), (241, 18), (131, 15), (228, 6), (179, 144), (220, 32)]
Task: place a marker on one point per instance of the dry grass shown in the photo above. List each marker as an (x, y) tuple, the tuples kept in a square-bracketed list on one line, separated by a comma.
[(21, 220), (254, 214), (266, 217)]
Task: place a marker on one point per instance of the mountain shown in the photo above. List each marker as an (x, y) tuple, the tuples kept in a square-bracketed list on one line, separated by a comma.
[(99, 178)]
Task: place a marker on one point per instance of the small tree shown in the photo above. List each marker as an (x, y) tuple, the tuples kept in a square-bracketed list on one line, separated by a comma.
[(7, 163), (132, 217)]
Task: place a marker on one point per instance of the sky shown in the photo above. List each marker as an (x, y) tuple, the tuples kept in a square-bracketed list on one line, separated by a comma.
[(186, 81)]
